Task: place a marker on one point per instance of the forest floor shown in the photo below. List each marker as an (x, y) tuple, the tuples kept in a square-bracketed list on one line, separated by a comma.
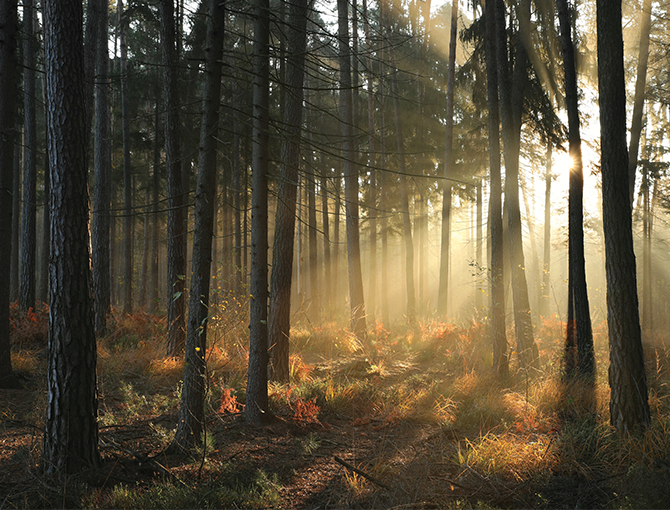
[(397, 422)]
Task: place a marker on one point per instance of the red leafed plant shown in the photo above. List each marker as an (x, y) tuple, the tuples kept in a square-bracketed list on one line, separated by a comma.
[(305, 411), (229, 403)]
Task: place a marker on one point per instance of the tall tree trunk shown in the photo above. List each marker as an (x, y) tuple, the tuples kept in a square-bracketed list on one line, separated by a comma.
[(43, 283), (71, 430), (256, 410), (314, 291), (647, 315), (15, 214), (404, 197), (325, 222), (372, 203), (190, 424), (155, 188), (279, 320), (383, 195), (511, 107), (8, 130), (543, 305), (638, 101), (176, 227), (499, 336), (28, 218), (629, 405), (479, 246), (127, 170), (576, 262), (102, 194), (445, 250), (356, 301), (237, 188)]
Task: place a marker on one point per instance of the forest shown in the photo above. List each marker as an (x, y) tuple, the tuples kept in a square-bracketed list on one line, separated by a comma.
[(395, 254)]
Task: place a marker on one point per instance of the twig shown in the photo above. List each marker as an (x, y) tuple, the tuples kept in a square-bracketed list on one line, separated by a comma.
[(361, 473), (483, 478)]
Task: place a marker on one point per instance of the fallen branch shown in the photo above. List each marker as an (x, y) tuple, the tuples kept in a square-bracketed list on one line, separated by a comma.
[(483, 478), (361, 473)]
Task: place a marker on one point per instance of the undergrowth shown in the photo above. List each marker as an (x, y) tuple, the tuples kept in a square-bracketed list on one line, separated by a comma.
[(532, 430)]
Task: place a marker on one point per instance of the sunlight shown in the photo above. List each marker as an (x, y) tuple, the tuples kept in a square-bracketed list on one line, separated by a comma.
[(563, 161)]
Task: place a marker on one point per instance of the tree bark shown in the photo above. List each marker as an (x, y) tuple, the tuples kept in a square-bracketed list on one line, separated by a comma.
[(71, 430), (638, 100), (127, 170), (8, 131), (629, 405), (190, 424), (29, 188), (443, 292), (511, 106), (576, 262), (256, 408), (499, 336), (103, 180), (357, 303), (176, 273), (279, 321)]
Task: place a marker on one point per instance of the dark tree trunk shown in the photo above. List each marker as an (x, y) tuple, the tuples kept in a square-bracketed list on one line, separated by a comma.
[(498, 333), (237, 189), (8, 110), (28, 218), (629, 405), (155, 189), (638, 100), (190, 424), (279, 321), (576, 262), (43, 283), (15, 219), (103, 180), (176, 259), (356, 300), (325, 222), (511, 106), (647, 224), (443, 290), (71, 430), (383, 194), (543, 308), (314, 291), (256, 409), (479, 241), (127, 170)]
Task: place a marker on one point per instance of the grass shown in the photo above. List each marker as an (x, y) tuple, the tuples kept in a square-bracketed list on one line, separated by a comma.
[(424, 412)]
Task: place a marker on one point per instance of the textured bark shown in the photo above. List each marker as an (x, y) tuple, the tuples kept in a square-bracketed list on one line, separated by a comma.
[(176, 257), (279, 320), (576, 263), (102, 164), (445, 250), (638, 100), (511, 89), (28, 218), (8, 111), (629, 405), (356, 300), (127, 170), (256, 409), (190, 424), (71, 430), (499, 336)]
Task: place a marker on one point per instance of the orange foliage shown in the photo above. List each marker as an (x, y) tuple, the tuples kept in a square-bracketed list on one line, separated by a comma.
[(305, 411), (229, 403)]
